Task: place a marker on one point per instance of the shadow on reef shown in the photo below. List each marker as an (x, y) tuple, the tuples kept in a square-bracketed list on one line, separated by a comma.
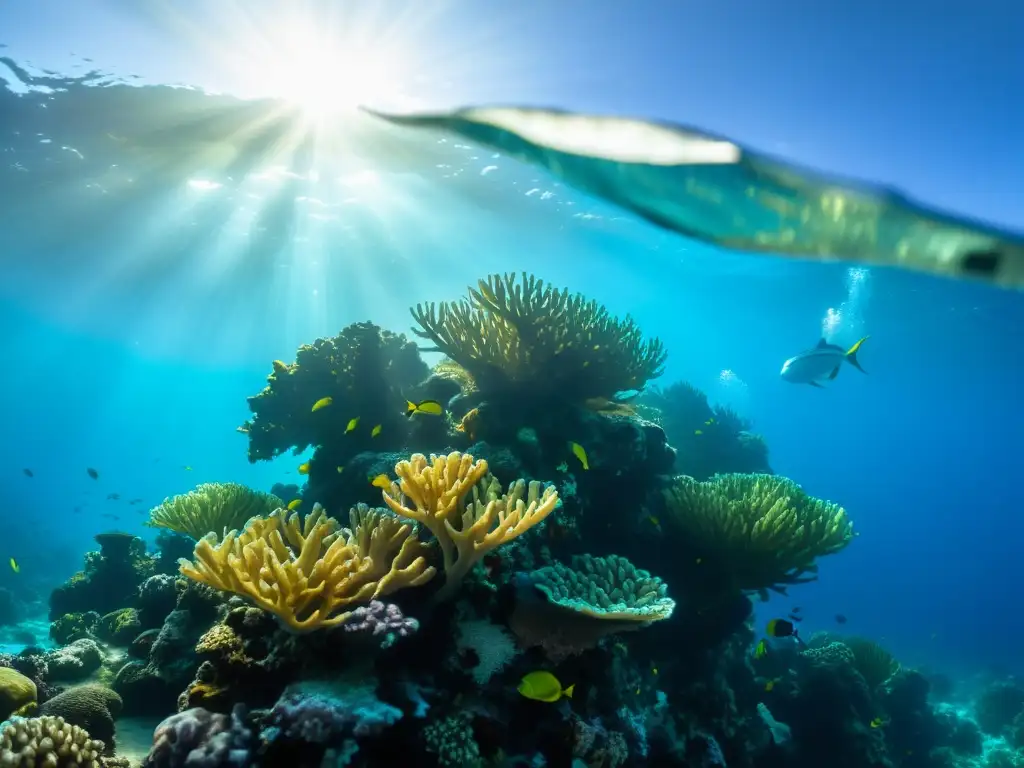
[(520, 557)]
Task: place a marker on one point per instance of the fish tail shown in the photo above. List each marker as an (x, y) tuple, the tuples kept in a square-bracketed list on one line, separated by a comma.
[(410, 408), (568, 691), (851, 354)]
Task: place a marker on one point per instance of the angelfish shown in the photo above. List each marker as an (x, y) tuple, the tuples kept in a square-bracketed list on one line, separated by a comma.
[(821, 363)]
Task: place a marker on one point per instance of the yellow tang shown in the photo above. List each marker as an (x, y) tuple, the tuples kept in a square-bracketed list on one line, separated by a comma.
[(543, 686), (380, 481), (304, 468), (429, 407), (375, 431), (352, 424), (579, 453), (294, 504), (340, 470), (14, 566), (323, 402)]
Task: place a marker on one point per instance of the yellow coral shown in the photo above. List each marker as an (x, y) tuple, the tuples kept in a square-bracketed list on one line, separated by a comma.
[(17, 694), (754, 532), (438, 491), (212, 508), (308, 573)]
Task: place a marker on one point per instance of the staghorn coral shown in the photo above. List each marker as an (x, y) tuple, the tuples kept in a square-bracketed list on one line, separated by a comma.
[(47, 741), (524, 334), (567, 610), (212, 508), (753, 532), (308, 573), (465, 531)]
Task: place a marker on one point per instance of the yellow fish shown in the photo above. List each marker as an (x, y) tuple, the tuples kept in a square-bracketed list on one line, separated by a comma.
[(340, 470), (352, 424), (579, 453), (543, 686), (294, 504), (380, 481), (323, 402), (187, 468), (429, 407), (698, 432), (769, 686), (375, 431), (280, 367), (14, 566), (709, 422), (877, 722), (304, 468), (761, 650)]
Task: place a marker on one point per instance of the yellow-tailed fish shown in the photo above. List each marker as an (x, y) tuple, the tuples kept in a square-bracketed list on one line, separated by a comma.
[(375, 431), (381, 481), (352, 424), (543, 686), (14, 566), (579, 453), (294, 504), (323, 402), (304, 468), (429, 407), (340, 470), (761, 650)]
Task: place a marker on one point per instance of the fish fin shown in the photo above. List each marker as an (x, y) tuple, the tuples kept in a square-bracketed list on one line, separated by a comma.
[(851, 354), (822, 343), (410, 408), (815, 384), (834, 373), (568, 691)]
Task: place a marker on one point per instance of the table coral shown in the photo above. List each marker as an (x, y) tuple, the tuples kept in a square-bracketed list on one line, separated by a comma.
[(311, 573)]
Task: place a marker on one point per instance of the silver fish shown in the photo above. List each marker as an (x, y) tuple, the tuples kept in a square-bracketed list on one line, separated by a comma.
[(821, 363)]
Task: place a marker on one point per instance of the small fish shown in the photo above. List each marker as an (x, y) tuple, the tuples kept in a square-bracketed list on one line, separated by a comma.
[(28, 473), (375, 431), (112, 517), (563, 467), (794, 617), (796, 609), (304, 468), (294, 504), (579, 453), (654, 671), (280, 366), (654, 521), (113, 496), (429, 407), (187, 468), (133, 502), (339, 469), (698, 432), (323, 402), (709, 422), (543, 686), (840, 619), (769, 686), (877, 722), (780, 628), (352, 424), (380, 481), (821, 363), (761, 650), (92, 473), (14, 566)]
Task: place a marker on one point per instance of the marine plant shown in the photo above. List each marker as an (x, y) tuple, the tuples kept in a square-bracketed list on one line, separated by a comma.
[(365, 372), (453, 497), (749, 532), (524, 335), (310, 573), (212, 508)]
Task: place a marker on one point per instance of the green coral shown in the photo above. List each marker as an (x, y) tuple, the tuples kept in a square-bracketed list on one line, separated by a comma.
[(752, 532), (121, 626), (212, 508), (73, 626), (17, 693), (525, 335)]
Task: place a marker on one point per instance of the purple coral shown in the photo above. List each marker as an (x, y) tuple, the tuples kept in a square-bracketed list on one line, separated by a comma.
[(197, 738), (379, 618), (325, 717)]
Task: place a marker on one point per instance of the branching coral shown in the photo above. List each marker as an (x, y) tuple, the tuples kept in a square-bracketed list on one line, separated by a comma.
[(525, 334), (598, 596), (446, 498), (753, 532), (47, 741), (308, 573), (212, 508)]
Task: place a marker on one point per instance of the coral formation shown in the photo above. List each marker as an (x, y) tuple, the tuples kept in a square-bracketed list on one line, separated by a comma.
[(90, 707), (752, 532), (212, 508), (465, 530), (527, 336), (307, 573), (17, 693), (47, 741), (201, 739)]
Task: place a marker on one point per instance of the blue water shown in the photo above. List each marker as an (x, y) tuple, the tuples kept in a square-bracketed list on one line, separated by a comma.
[(138, 317)]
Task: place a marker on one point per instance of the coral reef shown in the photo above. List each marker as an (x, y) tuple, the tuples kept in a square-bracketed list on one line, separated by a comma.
[(109, 580), (17, 693), (47, 741), (90, 707), (201, 739), (212, 508)]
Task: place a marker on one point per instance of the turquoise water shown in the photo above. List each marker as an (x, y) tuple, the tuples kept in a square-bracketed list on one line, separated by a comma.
[(163, 247)]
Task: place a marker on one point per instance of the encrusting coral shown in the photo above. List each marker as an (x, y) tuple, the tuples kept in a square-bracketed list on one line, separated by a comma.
[(212, 508), (753, 532), (308, 572), (465, 531), (526, 334)]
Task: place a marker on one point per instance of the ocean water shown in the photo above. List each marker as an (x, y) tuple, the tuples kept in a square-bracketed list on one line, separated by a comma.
[(161, 247)]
